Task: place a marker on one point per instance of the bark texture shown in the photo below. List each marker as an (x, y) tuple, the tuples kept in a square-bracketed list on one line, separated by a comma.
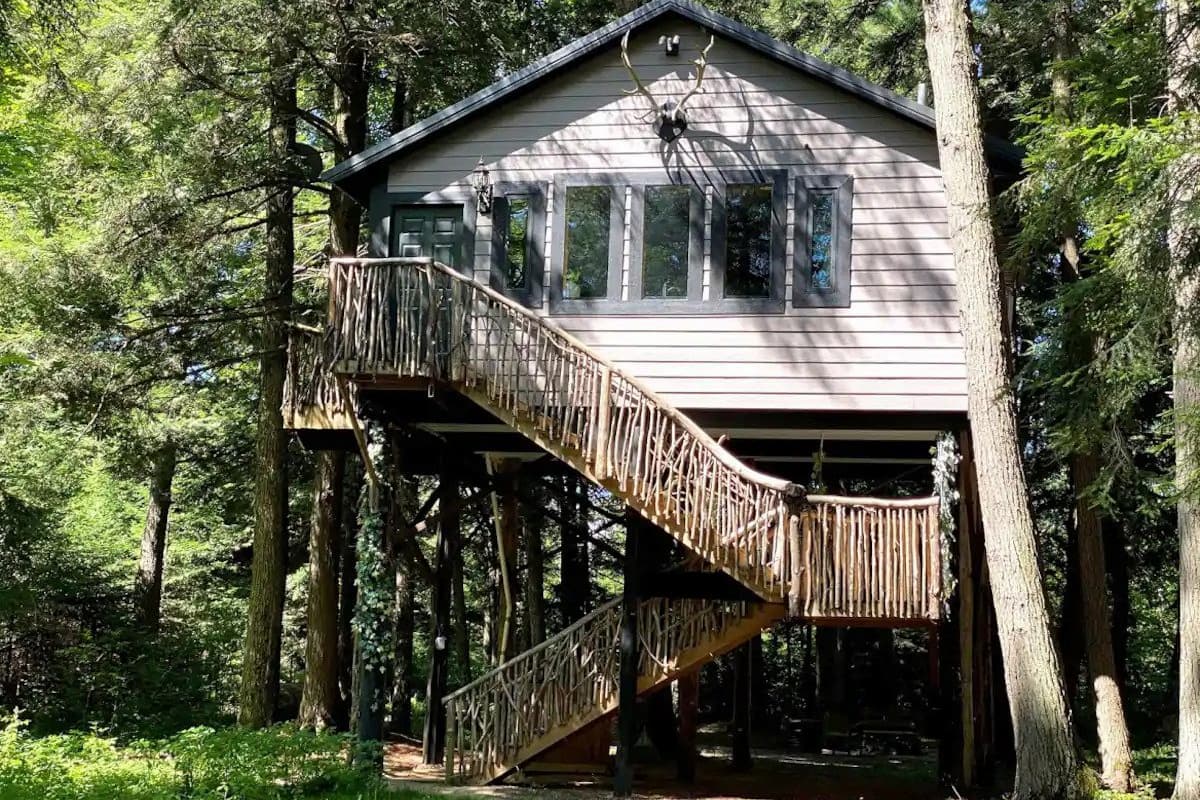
[(264, 624), (575, 589), (434, 738), (1183, 47), (1044, 751), (535, 580), (319, 699), (148, 583), (1116, 757), (347, 569)]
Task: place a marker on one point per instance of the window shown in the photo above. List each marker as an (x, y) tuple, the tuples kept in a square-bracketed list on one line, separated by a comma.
[(518, 237), (822, 241), (748, 240), (586, 245), (589, 236), (748, 247), (666, 226)]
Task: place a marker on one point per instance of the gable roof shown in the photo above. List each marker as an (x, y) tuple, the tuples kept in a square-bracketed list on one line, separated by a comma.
[(353, 168)]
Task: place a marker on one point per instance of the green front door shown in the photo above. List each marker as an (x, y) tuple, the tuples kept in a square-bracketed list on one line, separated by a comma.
[(428, 232)]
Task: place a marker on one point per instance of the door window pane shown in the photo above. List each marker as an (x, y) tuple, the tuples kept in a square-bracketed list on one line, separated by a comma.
[(665, 232), (412, 236), (820, 245), (445, 240), (585, 250), (748, 240), (516, 240)]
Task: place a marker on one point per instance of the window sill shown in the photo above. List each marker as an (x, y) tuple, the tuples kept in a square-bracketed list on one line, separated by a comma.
[(663, 307)]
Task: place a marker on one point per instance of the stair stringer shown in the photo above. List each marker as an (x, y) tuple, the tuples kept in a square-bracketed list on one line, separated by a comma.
[(656, 670), (657, 513)]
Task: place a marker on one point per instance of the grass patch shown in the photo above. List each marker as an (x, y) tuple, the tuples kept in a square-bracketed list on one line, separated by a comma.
[(279, 763)]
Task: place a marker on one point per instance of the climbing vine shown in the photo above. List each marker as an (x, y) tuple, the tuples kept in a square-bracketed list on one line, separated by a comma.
[(946, 459), (372, 609)]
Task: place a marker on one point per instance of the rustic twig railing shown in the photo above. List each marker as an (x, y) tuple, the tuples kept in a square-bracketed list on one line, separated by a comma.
[(867, 558), (519, 709), (419, 318), (311, 395)]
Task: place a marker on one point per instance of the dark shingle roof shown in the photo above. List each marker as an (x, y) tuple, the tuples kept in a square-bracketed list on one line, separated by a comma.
[(352, 168)]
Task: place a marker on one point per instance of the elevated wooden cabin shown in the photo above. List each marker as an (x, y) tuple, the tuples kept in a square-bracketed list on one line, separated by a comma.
[(572, 262)]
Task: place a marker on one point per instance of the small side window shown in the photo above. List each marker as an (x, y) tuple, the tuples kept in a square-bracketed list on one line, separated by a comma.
[(822, 241), (518, 240)]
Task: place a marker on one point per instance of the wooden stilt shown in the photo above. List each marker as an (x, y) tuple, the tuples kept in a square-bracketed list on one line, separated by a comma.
[(506, 515), (434, 740), (628, 674), (742, 662), (689, 707)]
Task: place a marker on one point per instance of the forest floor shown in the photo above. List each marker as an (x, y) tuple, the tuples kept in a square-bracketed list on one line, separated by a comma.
[(777, 774)]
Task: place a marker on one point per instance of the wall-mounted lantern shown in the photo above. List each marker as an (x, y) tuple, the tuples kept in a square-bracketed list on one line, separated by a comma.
[(481, 182)]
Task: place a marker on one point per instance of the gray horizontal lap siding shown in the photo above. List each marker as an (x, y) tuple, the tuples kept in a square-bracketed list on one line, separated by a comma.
[(895, 347)]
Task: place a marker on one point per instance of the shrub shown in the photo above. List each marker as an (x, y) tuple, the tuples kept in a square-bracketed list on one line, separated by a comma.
[(279, 763)]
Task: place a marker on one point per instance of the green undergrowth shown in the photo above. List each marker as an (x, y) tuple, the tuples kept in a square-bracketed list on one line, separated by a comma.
[(279, 763)]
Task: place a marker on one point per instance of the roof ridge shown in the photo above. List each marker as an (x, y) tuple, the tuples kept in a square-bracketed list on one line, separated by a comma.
[(598, 38)]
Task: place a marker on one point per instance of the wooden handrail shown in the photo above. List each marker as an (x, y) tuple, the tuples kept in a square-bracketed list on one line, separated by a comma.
[(525, 705), (420, 318), (728, 459)]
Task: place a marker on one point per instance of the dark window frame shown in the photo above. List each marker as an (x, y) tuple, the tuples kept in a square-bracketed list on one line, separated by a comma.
[(535, 240), (804, 294), (774, 302), (695, 267)]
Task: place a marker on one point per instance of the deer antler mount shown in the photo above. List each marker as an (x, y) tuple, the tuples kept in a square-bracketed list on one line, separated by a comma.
[(668, 117)]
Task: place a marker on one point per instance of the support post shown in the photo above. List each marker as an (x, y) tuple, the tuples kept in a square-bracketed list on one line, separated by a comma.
[(742, 658), (689, 708), (434, 740), (627, 685), (506, 515)]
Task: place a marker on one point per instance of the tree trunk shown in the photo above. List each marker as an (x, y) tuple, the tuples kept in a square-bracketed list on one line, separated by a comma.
[(535, 581), (1070, 627), (1117, 561), (347, 590), (319, 700), (264, 623), (506, 516), (1044, 750), (1183, 97), (448, 522), (462, 625), (1116, 758), (743, 660), (402, 687), (331, 600), (147, 589), (1090, 575), (404, 508), (574, 589)]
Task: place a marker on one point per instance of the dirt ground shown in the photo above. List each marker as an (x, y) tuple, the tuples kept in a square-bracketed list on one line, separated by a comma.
[(777, 775)]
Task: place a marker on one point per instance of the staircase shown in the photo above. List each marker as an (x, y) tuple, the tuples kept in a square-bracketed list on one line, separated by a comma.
[(530, 703), (418, 318), (831, 558)]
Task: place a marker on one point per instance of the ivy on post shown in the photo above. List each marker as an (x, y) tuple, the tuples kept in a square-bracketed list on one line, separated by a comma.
[(376, 584), (946, 459), (944, 641)]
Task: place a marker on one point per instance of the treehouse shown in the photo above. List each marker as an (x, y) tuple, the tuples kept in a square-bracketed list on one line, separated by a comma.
[(686, 261)]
